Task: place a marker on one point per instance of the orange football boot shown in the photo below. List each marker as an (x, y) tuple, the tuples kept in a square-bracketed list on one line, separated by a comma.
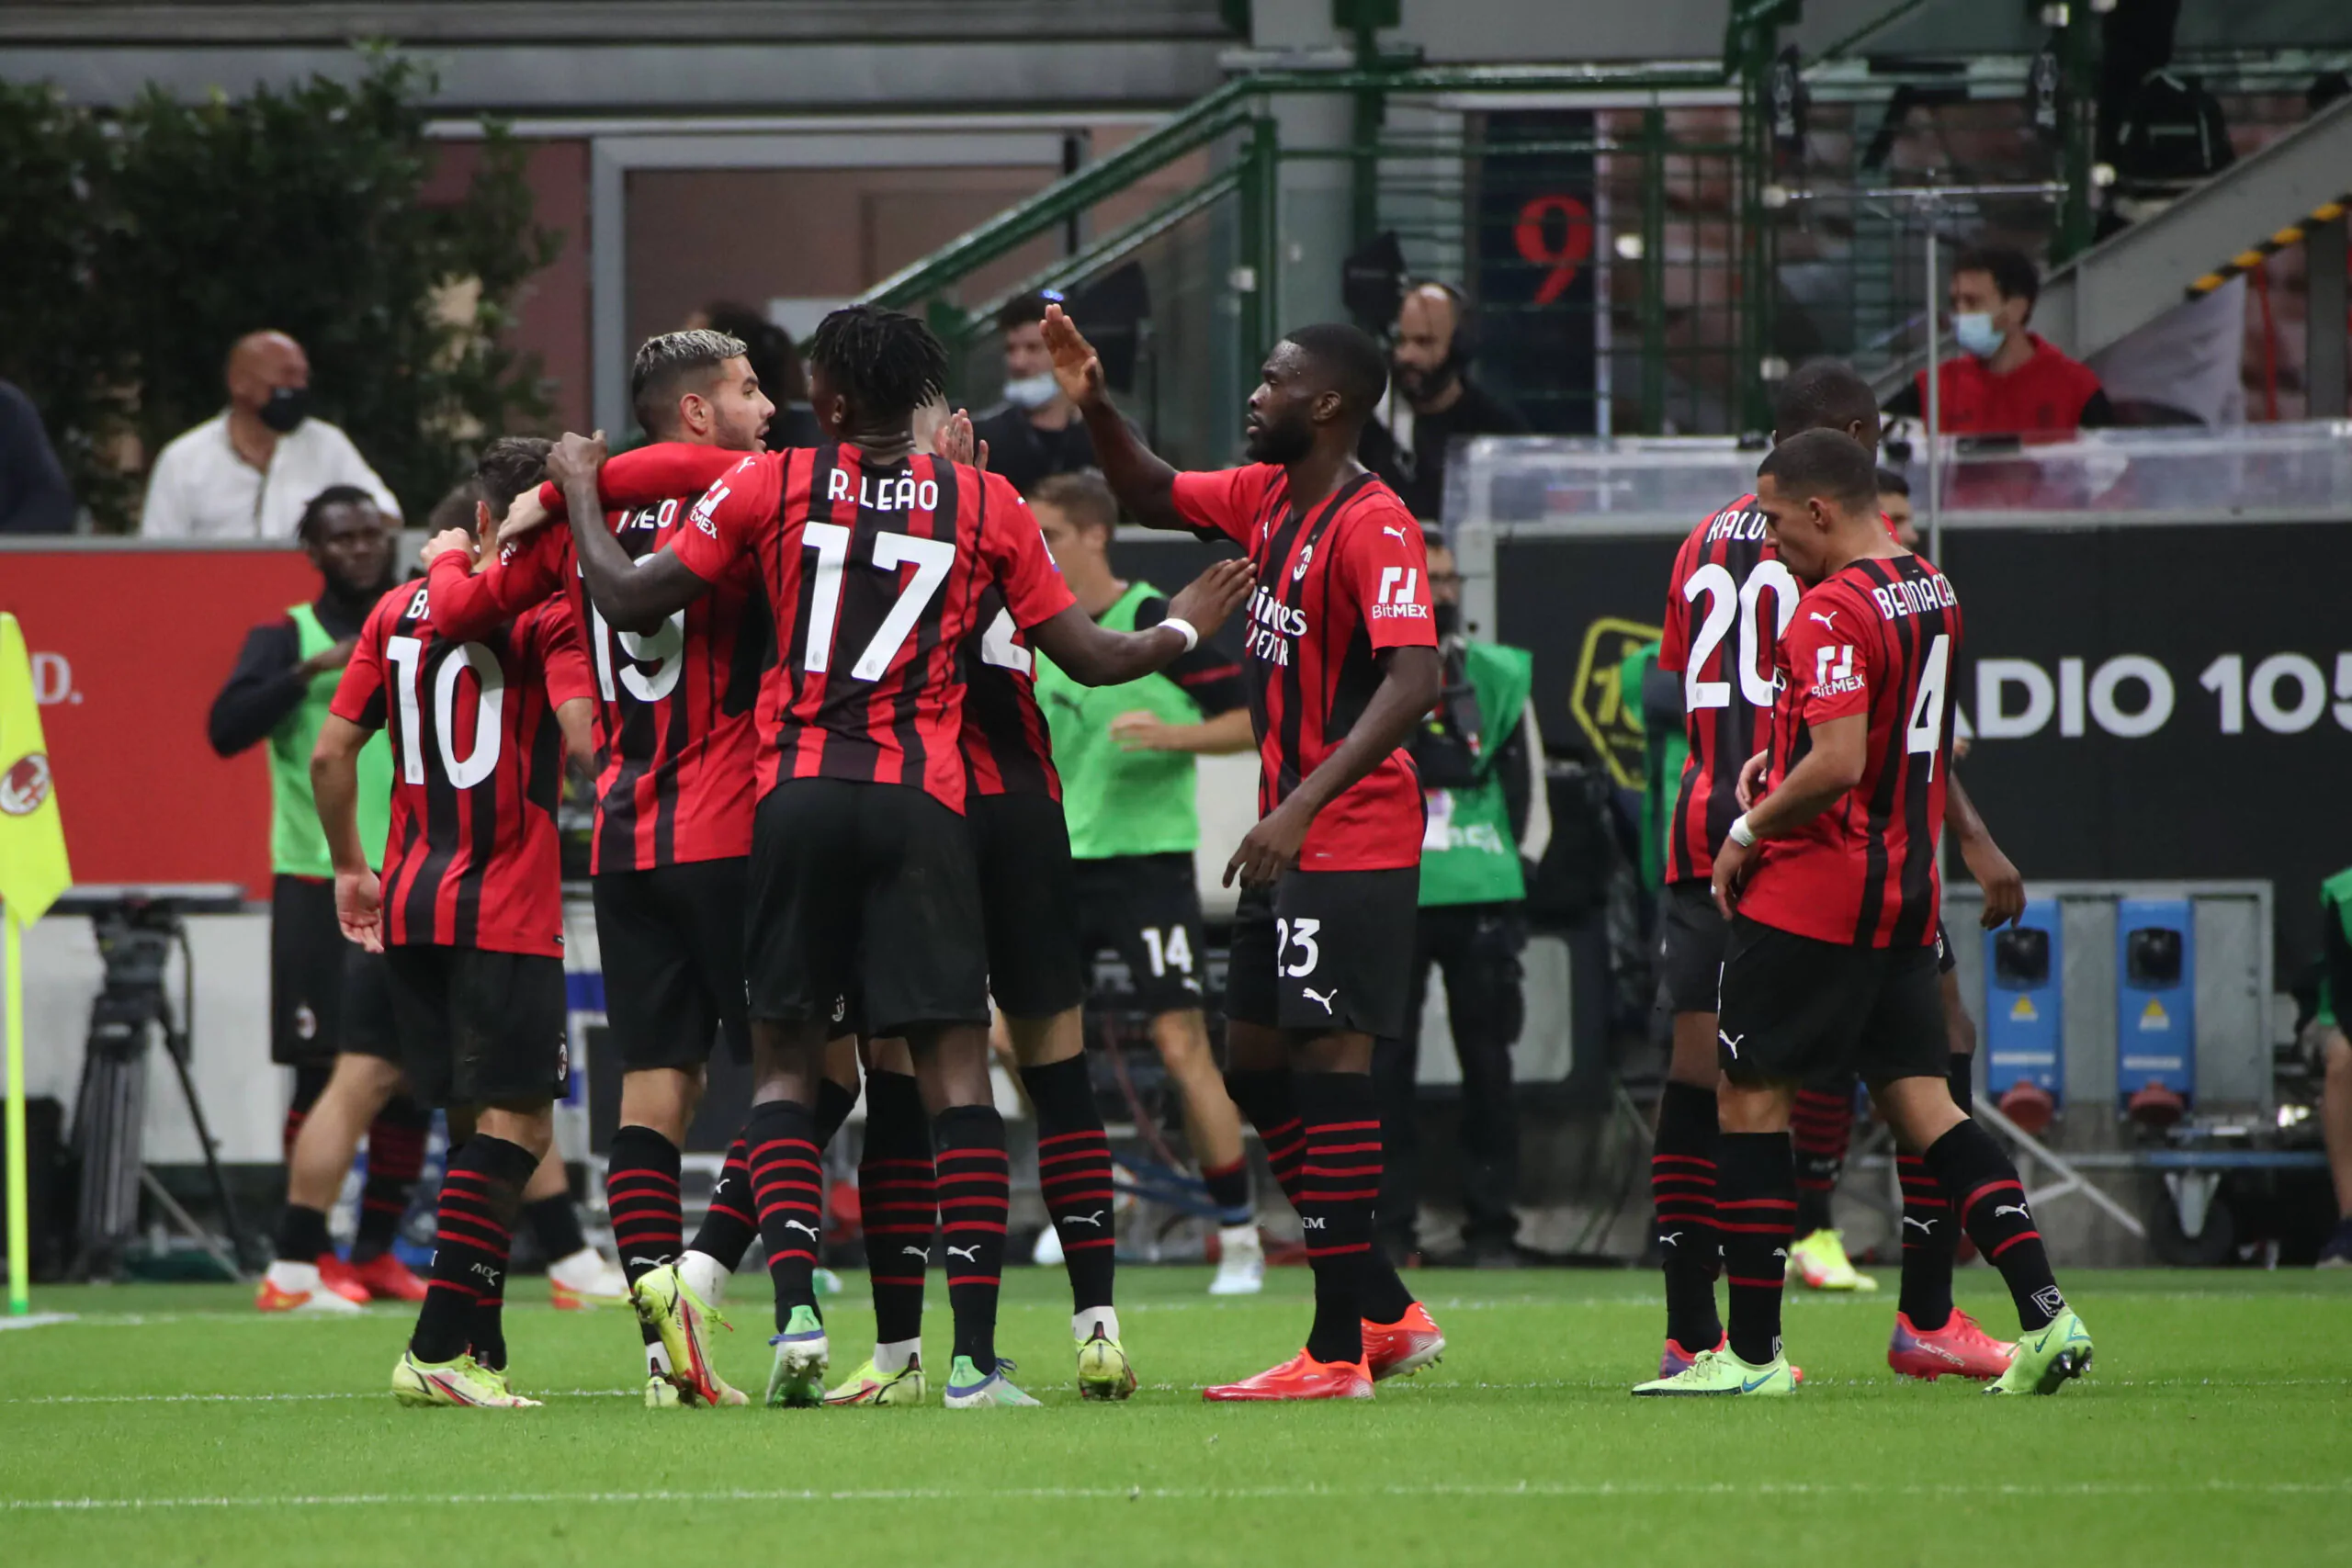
[(1300, 1377), (1404, 1347)]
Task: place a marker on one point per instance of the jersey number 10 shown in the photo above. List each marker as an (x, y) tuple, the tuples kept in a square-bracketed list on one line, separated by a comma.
[(407, 656)]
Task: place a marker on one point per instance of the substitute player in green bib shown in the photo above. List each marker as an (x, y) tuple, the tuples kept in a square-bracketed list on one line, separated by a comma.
[(1128, 791), (330, 1013), (1481, 766)]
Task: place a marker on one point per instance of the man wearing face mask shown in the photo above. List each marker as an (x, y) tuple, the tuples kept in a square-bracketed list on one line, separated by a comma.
[(1431, 399), (1481, 765), (2005, 380), (1035, 432), (248, 471)]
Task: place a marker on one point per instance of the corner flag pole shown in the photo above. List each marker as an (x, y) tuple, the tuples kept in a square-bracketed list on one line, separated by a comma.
[(33, 872), (20, 1274)]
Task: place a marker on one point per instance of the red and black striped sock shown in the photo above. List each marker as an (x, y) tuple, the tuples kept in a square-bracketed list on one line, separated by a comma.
[(1983, 1186), (1929, 1238), (1074, 1176), (1269, 1101), (481, 1195), (732, 1219), (781, 1138), (833, 1105), (1682, 1193), (1228, 1188), (641, 1196), (1756, 1209), (974, 1197), (1339, 1185), (395, 1159), (899, 1198), (1823, 1127), (1266, 1098)]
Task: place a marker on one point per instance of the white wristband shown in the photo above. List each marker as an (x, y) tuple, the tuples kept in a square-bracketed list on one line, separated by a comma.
[(1192, 633), (1741, 833)]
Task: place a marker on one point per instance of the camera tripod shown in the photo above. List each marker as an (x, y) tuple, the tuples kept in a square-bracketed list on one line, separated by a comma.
[(138, 931)]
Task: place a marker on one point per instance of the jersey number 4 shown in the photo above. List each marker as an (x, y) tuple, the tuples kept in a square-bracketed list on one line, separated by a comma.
[(1727, 601), (931, 559), (407, 656)]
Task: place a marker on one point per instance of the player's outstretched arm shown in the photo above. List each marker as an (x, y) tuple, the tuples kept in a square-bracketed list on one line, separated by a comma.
[(1144, 485), (633, 597), (335, 788), (1410, 681), (2004, 885), (1093, 655)]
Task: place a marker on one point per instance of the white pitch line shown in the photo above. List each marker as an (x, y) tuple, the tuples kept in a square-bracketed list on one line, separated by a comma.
[(1534, 1490), (275, 1398)]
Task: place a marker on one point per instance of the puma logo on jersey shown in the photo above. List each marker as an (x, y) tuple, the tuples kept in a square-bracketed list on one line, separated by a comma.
[(1320, 1000), (1393, 531), (1731, 1043), (1828, 620), (969, 1254)]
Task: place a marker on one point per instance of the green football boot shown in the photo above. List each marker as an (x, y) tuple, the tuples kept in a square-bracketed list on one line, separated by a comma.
[(2047, 1357), (1719, 1372)]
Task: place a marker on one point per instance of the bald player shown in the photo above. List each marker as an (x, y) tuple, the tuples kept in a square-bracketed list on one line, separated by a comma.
[(247, 472)]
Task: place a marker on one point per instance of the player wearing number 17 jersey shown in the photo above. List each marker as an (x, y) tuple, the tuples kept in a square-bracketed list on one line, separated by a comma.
[(468, 912), (874, 559), (1830, 885)]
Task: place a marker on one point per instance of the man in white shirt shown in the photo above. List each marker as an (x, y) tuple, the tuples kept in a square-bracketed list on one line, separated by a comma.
[(247, 472)]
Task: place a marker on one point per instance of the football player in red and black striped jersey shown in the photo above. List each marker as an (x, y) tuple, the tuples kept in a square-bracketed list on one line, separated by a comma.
[(1830, 885), (1728, 603), (1343, 657), (673, 834), (468, 911), (874, 558)]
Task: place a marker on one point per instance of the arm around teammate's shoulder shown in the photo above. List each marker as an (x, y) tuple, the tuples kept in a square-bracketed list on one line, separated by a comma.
[(632, 596)]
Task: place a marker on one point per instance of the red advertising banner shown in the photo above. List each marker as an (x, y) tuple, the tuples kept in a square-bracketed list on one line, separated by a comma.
[(130, 646)]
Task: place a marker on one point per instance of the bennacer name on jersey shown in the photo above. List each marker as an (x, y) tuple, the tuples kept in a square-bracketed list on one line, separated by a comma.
[(1914, 596)]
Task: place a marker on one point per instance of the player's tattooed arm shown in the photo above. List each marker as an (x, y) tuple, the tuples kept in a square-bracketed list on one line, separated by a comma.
[(1094, 656), (335, 788), (1411, 680), (1840, 749), (2004, 885), (630, 596), (1144, 484)]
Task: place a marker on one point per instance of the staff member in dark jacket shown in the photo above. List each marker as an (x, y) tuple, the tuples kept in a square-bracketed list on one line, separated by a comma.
[(1431, 399), (330, 1009)]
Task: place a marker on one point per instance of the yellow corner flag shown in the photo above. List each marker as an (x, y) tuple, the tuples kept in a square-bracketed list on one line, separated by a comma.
[(32, 873)]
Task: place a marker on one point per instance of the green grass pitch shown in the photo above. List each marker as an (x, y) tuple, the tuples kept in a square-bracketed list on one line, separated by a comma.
[(173, 1425)]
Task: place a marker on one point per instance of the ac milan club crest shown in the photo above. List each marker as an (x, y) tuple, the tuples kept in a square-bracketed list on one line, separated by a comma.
[(25, 786)]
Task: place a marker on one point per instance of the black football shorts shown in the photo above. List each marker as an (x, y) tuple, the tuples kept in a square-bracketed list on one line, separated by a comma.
[(671, 940), (369, 1026), (1029, 903), (866, 891), (480, 1028), (1800, 1010), (305, 971), (1324, 951), (1148, 910), (1945, 960), (1689, 946)]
